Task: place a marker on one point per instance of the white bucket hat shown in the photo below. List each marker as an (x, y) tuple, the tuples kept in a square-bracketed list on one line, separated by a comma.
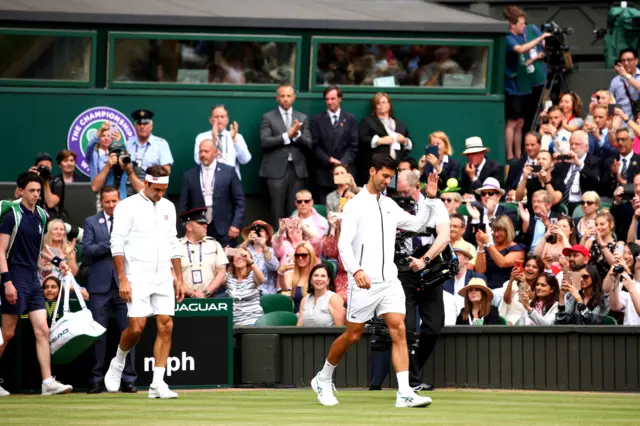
[(490, 184), (473, 145)]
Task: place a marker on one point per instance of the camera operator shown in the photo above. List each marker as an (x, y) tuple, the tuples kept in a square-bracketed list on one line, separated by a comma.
[(118, 171), (428, 300), (52, 195), (626, 85), (519, 77)]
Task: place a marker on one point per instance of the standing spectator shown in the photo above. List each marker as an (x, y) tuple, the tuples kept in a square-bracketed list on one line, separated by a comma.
[(558, 237), (217, 187), (52, 195), (444, 164), (97, 150), (497, 255), (554, 129), (103, 287), (341, 174), (285, 139), (56, 241), (381, 133), (585, 306), (621, 169), (334, 134), (231, 146), (627, 301), (535, 226), (243, 279), (571, 106), (477, 305), (626, 85), (543, 306), (203, 268), (145, 148), (67, 162), (478, 167), (518, 70), (321, 307), (623, 211), (257, 241), (598, 130)]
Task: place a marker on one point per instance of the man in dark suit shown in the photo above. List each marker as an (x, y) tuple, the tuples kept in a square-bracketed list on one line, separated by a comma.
[(478, 168), (579, 170), (284, 137), (453, 285), (599, 144), (535, 225), (103, 288), (334, 134), (217, 187), (532, 147), (620, 170)]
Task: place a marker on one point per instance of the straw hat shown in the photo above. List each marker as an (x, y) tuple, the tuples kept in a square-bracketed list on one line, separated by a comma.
[(478, 283), (247, 229), (473, 145), (490, 184), (460, 250)]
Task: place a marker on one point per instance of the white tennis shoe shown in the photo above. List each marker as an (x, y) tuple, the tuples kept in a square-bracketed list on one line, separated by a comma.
[(3, 392), (412, 400), (161, 391), (324, 389), (56, 388), (113, 377)]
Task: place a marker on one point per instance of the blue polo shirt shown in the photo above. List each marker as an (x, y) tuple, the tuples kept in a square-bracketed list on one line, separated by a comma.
[(511, 64), (26, 246)]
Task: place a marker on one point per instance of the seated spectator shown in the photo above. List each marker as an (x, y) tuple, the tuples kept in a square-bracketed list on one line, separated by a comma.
[(497, 255), (532, 147), (452, 200), (621, 169), (480, 217), (314, 225), (601, 253), (55, 240), (534, 227), (443, 164), (571, 106), (586, 306), (67, 162), (521, 280), (243, 280), (453, 285), (559, 236), (295, 274), (623, 211), (598, 130), (409, 164), (340, 174), (626, 301), (289, 235), (577, 257), (330, 250), (257, 241), (51, 288), (477, 305), (432, 74), (544, 179), (457, 230), (321, 307), (478, 167), (381, 133), (590, 203), (543, 307)]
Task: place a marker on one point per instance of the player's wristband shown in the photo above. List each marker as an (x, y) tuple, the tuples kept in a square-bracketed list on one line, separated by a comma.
[(5, 277), (56, 261), (354, 274)]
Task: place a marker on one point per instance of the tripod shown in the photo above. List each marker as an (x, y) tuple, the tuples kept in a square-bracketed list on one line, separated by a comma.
[(556, 77)]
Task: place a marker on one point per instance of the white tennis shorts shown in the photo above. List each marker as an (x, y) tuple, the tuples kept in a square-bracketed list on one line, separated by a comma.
[(381, 298), (151, 298)]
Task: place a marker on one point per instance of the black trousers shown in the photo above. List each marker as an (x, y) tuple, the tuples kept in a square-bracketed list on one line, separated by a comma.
[(427, 304), (282, 193)]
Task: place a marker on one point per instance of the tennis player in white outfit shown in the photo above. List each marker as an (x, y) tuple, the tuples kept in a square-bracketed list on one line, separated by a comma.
[(144, 246), (366, 246)]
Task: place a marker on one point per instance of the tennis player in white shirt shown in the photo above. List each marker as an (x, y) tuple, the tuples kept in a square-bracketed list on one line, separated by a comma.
[(144, 246), (366, 246)]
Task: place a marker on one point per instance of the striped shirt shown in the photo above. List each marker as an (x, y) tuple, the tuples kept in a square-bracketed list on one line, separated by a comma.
[(246, 300)]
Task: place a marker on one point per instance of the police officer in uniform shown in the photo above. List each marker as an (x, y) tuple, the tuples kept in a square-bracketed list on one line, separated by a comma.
[(427, 301), (204, 262), (145, 148)]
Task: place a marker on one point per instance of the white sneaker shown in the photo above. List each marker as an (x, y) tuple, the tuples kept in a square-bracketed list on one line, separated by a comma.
[(412, 400), (161, 391), (3, 392), (113, 377), (56, 388), (324, 389)]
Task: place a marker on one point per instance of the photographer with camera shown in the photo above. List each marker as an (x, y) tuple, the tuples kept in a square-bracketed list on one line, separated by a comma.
[(118, 171), (540, 176), (52, 195), (626, 85), (428, 301), (520, 77), (623, 289)]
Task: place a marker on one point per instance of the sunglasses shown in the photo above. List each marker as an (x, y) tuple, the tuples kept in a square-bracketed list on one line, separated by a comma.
[(587, 202), (447, 200), (301, 255), (488, 194), (585, 276), (303, 201)]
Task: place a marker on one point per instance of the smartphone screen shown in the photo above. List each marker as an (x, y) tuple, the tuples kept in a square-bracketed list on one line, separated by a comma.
[(620, 248), (430, 149), (574, 279), (519, 265), (553, 220), (591, 223), (611, 109)]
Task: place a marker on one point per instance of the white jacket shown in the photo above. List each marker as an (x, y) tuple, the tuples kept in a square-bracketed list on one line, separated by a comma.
[(367, 239), (144, 233)]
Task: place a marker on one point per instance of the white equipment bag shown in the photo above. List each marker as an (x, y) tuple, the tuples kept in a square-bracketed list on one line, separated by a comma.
[(75, 332)]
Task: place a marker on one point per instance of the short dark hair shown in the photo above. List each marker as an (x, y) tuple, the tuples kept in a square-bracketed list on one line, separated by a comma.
[(457, 216), (42, 156), (25, 178), (412, 162), (107, 189), (64, 154), (631, 50), (157, 171), (219, 106), (536, 135), (332, 282), (383, 161), (331, 88)]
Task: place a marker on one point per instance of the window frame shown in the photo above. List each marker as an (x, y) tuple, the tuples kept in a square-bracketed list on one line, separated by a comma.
[(438, 41), (114, 35), (90, 83)]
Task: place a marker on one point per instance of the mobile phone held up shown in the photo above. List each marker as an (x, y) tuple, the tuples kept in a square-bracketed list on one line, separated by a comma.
[(431, 149)]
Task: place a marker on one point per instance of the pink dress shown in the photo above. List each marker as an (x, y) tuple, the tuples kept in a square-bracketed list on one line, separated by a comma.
[(331, 251)]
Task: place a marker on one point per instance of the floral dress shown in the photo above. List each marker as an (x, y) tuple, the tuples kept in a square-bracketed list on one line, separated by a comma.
[(330, 250)]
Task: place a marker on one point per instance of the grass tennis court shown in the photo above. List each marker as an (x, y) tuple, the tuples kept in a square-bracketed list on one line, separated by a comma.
[(357, 407)]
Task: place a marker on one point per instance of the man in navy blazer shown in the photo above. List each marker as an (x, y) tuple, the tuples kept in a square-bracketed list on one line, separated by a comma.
[(103, 288), (217, 187), (463, 259), (334, 134)]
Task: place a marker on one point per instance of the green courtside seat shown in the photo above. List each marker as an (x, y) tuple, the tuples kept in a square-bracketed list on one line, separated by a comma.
[(321, 209), (503, 321), (332, 265), (277, 319), (609, 321), (276, 303)]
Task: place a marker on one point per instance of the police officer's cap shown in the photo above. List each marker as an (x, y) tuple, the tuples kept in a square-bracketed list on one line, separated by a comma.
[(198, 215), (142, 116)]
